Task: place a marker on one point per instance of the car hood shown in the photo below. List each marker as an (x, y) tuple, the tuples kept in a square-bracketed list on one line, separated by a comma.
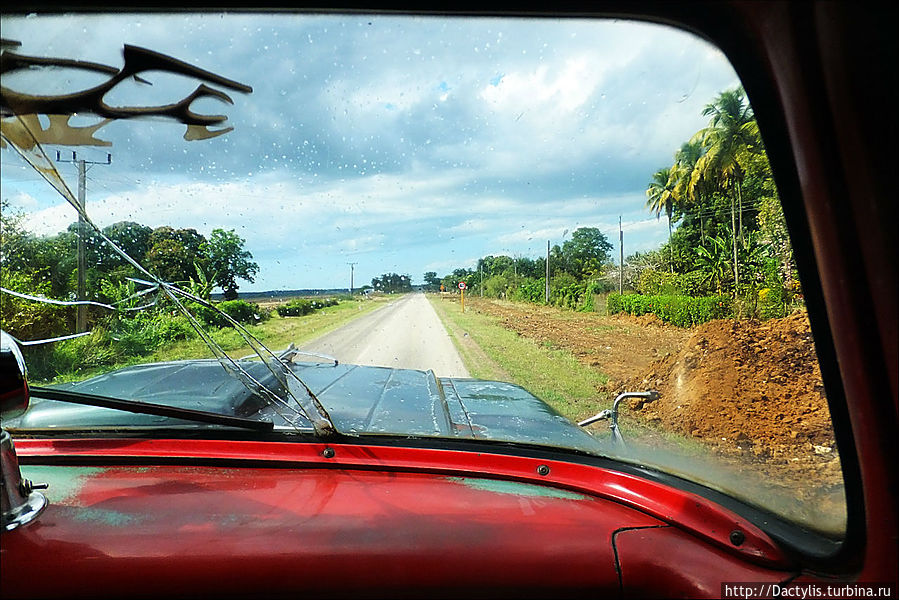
[(359, 399)]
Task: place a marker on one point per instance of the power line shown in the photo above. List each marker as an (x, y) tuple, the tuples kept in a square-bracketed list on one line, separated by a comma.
[(81, 316)]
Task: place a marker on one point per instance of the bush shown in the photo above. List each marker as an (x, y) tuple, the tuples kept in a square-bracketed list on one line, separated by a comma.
[(295, 308), (146, 332), (497, 286), (318, 303), (27, 319), (592, 290), (771, 298), (652, 281), (683, 311), (245, 313), (531, 290), (71, 356), (663, 283), (303, 306)]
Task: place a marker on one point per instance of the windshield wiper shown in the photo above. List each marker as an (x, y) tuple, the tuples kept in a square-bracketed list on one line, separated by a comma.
[(149, 408)]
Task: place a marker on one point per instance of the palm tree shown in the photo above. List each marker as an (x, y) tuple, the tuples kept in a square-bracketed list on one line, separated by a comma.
[(732, 134), (660, 197), (685, 194)]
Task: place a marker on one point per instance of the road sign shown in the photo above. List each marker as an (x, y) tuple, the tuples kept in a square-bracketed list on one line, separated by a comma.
[(462, 285)]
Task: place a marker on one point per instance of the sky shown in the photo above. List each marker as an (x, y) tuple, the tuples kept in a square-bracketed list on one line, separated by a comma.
[(399, 144)]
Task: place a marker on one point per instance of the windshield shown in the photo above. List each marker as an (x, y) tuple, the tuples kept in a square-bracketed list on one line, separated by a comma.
[(421, 226)]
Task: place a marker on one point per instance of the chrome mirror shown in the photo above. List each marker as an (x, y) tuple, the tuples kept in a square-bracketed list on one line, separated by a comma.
[(19, 502), (13, 383)]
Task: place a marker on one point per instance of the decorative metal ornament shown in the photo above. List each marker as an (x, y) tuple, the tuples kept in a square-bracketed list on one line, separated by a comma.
[(26, 130)]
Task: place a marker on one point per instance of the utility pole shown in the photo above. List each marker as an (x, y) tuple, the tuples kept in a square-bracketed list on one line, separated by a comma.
[(352, 267), (620, 257), (481, 273), (547, 271), (81, 315)]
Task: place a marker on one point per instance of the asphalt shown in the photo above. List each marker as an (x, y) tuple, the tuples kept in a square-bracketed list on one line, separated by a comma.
[(405, 334)]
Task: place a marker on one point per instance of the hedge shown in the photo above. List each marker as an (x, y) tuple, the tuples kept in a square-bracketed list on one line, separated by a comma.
[(246, 313), (302, 306), (683, 311)]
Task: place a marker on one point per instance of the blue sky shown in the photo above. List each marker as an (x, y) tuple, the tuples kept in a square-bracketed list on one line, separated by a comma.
[(400, 144)]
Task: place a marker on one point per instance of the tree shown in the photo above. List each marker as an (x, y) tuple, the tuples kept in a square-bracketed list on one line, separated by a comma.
[(495, 265), (661, 196), (228, 261), (133, 238), (685, 194), (731, 135), (173, 252), (392, 283), (432, 281), (451, 282), (585, 253)]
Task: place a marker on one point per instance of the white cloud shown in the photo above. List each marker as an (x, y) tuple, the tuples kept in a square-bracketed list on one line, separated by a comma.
[(23, 201), (404, 142), (563, 87)]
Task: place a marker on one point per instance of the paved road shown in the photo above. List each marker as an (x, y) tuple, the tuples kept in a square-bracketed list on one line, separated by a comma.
[(405, 334)]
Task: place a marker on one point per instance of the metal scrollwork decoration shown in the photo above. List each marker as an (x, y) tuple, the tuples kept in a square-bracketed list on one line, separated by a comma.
[(19, 111)]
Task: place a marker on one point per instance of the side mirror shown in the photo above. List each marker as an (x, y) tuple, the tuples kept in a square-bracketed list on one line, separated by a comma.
[(19, 502), (13, 380), (612, 414)]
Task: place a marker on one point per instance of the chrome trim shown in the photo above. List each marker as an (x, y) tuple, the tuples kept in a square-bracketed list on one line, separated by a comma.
[(20, 503)]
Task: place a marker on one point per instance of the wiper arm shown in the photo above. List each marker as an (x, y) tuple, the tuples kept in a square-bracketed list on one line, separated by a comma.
[(149, 408), (288, 353)]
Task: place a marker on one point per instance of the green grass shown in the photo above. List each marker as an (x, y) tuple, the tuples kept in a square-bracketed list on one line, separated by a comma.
[(276, 333), (555, 376)]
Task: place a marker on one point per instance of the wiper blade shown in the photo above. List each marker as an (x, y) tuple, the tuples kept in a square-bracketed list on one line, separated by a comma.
[(149, 408)]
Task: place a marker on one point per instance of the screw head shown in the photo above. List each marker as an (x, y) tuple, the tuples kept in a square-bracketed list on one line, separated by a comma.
[(543, 470), (328, 453), (737, 537)]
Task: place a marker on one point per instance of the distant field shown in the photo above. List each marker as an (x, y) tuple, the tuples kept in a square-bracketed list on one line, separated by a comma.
[(272, 301), (284, 295)]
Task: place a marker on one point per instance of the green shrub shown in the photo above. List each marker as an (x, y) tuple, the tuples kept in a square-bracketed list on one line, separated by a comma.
[(614, 303), (663, 283), (694, 283), (71, 356), (245, 313), (531, 290), (651, 281), (683, 311), (27, 319), (591, 291), (318, 303), (146, 332), (304, 306), (295, 308), (772, 298)]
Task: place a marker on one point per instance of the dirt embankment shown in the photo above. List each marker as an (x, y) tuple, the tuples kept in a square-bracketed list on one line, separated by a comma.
[(748, 385), (747, 388), (748, 393)]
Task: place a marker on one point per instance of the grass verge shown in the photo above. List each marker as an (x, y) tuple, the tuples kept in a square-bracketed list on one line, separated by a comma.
[(276, 333), (555, 376)]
